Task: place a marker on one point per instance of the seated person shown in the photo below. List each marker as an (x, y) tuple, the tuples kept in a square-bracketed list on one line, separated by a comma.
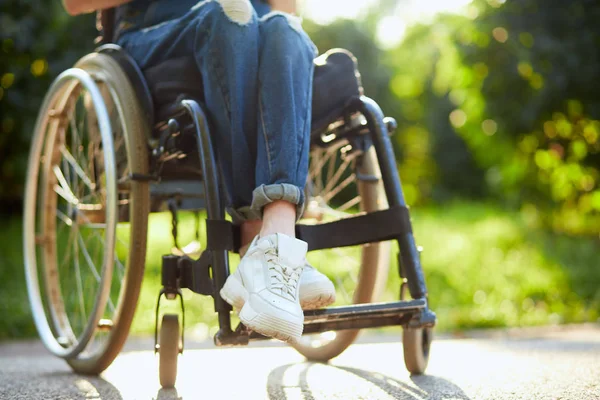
[(257, 69)]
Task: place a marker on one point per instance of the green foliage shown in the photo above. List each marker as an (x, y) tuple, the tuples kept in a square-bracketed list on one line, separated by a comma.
[(38, 41), (496, 102), (515, 83), (434, 161), (536, 108), (16, 319), (486, 267)]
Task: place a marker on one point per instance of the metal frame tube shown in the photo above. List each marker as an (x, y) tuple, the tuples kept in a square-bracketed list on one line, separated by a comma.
[(409, 255), (214, 208)]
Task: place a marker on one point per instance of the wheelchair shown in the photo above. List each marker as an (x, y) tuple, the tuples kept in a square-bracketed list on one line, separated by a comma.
[(113, 143)]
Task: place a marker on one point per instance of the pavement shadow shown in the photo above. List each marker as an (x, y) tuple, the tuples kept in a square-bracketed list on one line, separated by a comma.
[(73, 386), (294, 382)]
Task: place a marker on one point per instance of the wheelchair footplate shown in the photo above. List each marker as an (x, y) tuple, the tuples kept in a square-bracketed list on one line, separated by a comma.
[(183, 272)]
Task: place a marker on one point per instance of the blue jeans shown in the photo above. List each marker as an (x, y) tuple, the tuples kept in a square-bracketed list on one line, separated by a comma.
[(257, 70)]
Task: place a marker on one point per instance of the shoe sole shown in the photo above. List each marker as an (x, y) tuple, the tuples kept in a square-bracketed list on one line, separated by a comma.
[(317, 298), (269, 325), (234, 293)]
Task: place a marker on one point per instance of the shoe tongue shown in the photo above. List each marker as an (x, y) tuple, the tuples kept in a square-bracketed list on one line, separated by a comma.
[(288, 248)]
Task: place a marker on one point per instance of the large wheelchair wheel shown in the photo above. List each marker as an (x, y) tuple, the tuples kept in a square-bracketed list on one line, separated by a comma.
[(85, 220), (341, 184)]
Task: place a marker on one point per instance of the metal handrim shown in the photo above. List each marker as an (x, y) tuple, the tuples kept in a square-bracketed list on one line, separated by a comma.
[(58, 88)]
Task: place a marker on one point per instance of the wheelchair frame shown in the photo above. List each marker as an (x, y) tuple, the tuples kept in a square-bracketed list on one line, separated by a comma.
[(183, 272), (180, 272), (362, 124)]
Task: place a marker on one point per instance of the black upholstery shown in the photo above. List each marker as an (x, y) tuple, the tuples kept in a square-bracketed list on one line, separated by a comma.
[(336, 81), (173, 80)]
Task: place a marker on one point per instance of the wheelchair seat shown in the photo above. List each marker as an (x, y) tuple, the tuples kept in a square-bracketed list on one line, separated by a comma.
[(336, 81)]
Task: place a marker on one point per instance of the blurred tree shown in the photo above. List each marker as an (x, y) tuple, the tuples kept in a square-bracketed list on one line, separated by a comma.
[(515, 81), (397, 81), (534, 118), (38, 40)]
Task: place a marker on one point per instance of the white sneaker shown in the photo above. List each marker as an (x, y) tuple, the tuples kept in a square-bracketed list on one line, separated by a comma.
[(316, 290), (265, 287)]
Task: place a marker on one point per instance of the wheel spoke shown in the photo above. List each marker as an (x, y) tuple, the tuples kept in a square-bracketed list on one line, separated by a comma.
[(67, 172), (88, 259), (68, 221), (78, 170), (79, 283), (349, 204), (67, 195), (70, 241), (331, 212), (340, 187), (101, 192), (336, 177), (92, 267), (331, 167), (62, 180), (111, 304), (121, 266), (95, 225), (76, 145)]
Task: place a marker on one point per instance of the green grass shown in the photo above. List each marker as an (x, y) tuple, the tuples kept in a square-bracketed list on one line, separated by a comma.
[(484, 268)]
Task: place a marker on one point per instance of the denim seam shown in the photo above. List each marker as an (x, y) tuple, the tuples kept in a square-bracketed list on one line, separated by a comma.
[(296, 25), (215, 68), (264, 131), (307, 115)]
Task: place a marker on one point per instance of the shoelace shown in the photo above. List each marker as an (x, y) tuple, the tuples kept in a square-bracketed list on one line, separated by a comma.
[(284, 278)]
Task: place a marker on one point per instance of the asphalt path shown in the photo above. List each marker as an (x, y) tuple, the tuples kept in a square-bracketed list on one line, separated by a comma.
[(550, 363)]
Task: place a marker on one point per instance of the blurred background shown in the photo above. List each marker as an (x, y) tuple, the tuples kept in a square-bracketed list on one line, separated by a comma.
[(498, 147)]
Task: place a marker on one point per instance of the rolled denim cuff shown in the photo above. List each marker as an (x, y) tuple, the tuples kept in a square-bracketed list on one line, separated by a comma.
[(242, 214), (266, 194)]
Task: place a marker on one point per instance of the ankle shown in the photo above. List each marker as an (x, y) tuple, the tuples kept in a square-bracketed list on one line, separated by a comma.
[(279, 217)]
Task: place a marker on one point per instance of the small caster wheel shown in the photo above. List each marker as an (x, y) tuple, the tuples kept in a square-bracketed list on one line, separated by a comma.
[(416, 343), (168, 350)]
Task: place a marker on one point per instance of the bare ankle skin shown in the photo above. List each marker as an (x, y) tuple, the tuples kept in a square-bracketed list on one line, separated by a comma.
[(279, 217)]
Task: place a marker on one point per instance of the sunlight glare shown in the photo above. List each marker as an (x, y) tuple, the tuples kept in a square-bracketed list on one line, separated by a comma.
[(390, 31), (391, 28), (327, 11)]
